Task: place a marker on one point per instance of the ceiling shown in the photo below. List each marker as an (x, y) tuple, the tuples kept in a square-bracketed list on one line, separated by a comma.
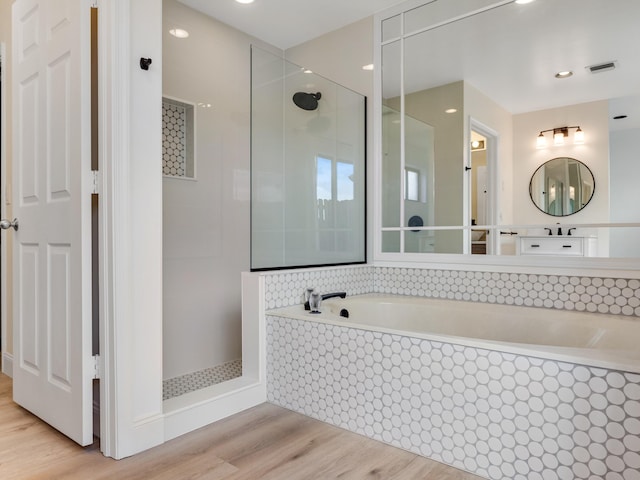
[(512, 61), (287, 23), (512, 53)]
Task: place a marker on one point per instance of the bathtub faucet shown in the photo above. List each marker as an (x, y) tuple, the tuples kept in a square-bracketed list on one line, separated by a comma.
[(335, 294), (325, 296)]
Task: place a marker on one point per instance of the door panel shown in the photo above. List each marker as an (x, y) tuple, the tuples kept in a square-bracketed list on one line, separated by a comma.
[(53, 367)]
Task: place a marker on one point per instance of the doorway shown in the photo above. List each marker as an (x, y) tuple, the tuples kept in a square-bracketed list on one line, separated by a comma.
[(482, 193)]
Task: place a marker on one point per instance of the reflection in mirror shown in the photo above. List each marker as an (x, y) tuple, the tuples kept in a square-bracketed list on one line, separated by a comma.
[(416, 179), (562, 186), (497, 67)]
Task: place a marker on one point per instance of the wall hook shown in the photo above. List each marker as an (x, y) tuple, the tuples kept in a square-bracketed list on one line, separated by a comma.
[(144, 63)]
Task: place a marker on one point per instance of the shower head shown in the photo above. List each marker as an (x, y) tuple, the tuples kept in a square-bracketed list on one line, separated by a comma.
[(307, 101)]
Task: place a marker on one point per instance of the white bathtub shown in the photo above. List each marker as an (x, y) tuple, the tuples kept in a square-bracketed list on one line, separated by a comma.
[(608, 341)]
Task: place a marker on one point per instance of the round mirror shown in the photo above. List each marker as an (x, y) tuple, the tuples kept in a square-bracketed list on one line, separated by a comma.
[(562, 186)]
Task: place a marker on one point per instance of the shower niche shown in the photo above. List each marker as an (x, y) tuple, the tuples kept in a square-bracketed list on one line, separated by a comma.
[(307, 167)]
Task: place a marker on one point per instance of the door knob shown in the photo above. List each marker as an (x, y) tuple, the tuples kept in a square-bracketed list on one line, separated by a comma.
[(6, 224)]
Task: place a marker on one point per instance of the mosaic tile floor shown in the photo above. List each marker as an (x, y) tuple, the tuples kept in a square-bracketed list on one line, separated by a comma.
[(174, 387)]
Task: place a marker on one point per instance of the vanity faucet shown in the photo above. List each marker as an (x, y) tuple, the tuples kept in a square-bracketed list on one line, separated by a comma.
[(570, 231)]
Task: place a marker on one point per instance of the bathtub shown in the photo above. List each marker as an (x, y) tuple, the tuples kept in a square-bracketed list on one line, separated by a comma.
[(504, 392), (601, 340)]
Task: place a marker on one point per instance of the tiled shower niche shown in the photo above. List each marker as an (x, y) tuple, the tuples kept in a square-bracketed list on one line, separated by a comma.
[(178, 137)]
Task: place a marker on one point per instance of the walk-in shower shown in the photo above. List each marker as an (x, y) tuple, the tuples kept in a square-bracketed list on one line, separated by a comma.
[(307, 167), (205, 169)]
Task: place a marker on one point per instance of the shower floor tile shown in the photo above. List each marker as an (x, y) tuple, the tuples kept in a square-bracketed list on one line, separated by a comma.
[(174, 387)]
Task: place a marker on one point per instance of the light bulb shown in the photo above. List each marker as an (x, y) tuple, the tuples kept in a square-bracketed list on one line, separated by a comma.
[(541, 141), (558, 138)]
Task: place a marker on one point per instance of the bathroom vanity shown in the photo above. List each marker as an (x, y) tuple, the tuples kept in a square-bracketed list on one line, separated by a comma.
[(556, 245)]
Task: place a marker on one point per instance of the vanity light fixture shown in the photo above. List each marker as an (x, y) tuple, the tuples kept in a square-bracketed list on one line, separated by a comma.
[(559, 136)]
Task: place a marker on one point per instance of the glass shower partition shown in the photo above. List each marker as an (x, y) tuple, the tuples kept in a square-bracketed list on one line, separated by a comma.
[(307, 168)]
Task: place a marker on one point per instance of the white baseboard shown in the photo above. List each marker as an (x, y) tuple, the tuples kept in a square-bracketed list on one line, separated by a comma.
[(194, 410), (7, 364)]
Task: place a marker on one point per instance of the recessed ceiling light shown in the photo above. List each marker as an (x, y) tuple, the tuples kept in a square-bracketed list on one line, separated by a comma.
[(450, 110), (368, 67), (244, 1), (523, 2), (179, 33), (306, 70), (565, 74)]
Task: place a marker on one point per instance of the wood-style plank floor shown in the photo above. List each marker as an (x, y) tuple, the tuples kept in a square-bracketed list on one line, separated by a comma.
[(265, 442)]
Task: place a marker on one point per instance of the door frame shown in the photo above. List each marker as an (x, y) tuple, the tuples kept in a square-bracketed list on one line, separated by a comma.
[(130, 226), (492, 141), (6, 361)]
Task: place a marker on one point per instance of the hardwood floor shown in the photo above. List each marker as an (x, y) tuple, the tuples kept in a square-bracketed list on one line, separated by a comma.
[(265, 442)]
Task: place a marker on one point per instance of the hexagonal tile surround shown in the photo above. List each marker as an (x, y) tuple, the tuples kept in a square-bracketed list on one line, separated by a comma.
[(618, 296), (495, 414)]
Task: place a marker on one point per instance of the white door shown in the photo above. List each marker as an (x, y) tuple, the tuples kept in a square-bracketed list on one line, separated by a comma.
[(52, 201)]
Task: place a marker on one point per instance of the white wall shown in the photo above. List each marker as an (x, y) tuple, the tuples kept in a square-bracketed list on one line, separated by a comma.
[(625, 197), (206, 221), (592, 117)]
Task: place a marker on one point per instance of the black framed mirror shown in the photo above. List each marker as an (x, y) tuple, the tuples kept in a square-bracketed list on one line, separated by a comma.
[(562, 186)]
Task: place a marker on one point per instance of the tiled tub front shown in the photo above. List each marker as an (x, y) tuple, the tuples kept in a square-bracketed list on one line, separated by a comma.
[(499, 415)]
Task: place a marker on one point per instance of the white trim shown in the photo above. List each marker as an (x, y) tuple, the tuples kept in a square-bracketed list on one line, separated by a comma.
[(7, 364), (113, 23), (374, 203), (194, 410), (3, 207)]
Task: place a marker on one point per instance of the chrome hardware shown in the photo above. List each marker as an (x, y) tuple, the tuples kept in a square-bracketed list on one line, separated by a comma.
[(6, 224)]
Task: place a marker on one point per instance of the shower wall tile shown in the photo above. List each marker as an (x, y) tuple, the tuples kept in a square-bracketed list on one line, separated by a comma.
[(498, 415)]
